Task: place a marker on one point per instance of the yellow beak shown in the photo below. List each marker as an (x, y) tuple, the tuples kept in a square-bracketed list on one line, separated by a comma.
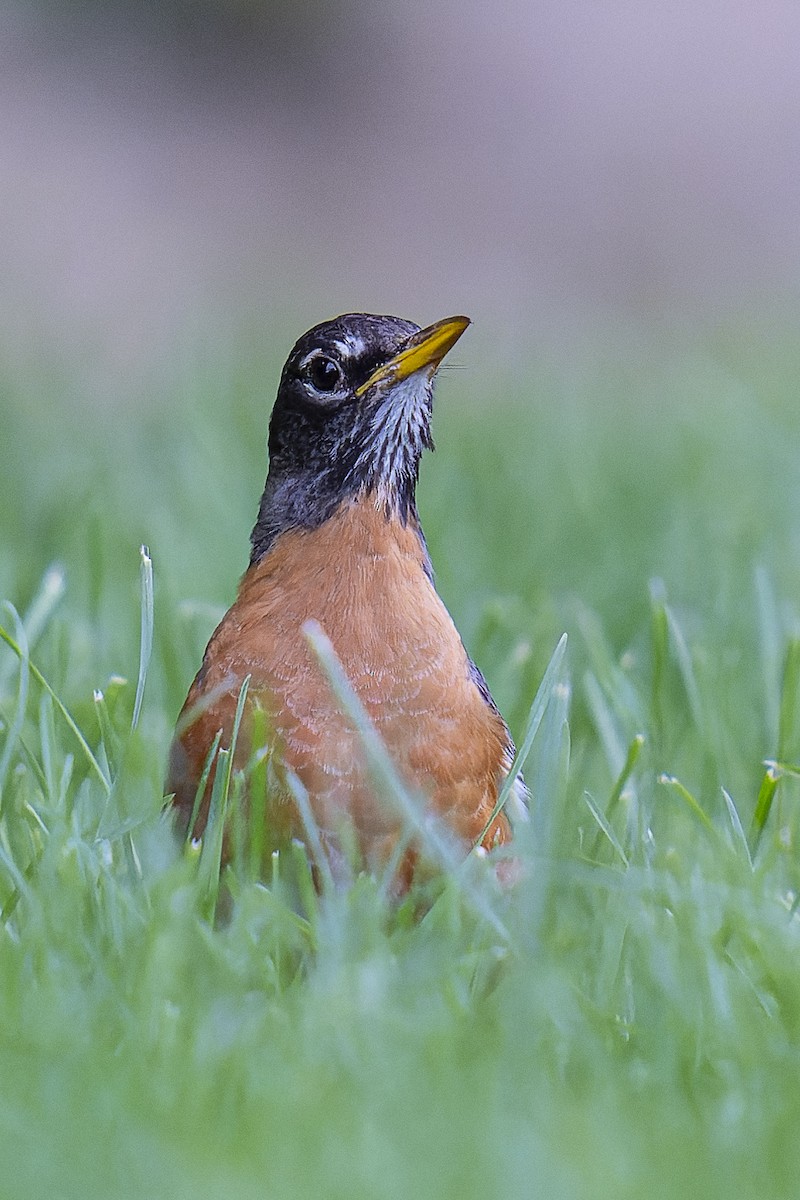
[(424, 349)]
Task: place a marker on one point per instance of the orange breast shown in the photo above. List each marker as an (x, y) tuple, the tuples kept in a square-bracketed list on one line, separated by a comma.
[(362, 578)]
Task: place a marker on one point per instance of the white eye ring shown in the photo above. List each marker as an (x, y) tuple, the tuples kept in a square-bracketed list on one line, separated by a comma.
[(323, 372)]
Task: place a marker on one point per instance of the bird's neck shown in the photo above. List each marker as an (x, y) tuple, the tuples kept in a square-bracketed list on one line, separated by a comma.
[(358, 526), (307, 501)]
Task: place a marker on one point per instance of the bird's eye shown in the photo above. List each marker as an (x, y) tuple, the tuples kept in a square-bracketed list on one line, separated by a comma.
[(325, 374)]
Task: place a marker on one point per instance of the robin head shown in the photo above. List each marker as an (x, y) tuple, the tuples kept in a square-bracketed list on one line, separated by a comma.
[(352, 416)]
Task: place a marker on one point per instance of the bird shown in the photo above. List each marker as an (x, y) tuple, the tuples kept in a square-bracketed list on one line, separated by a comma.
[(338, 541)]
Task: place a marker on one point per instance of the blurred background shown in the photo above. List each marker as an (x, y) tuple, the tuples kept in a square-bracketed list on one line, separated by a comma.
[(169, 168), (609, 189)]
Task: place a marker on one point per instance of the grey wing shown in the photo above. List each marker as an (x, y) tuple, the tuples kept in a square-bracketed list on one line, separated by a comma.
[(518, 805)]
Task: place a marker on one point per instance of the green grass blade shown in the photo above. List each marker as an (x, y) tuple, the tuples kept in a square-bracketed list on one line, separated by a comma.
[(47, 741), (437, 840), (132, 861), (770, 638), (302, 876), (258, 783), (543, 696), (389, 875), (92, 762), (605, 723), (203, 784), (681, 790), (36, 767), (109, 738), (64, 781), (237, 717), (659, 638), (604, 828), (311, 827), (44, 603), (378, 761), (208, 868), (548, 781), (213, 834), (39, 611), (737, 827), (146, 635), (16, 895), (614, 681), (792, 770), (632, 757), (15, 728), (766, 796), (683, 657), (790, 687), (21, 884)]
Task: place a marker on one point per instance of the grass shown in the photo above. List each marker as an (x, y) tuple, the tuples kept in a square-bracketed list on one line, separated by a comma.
[(624, 1022)]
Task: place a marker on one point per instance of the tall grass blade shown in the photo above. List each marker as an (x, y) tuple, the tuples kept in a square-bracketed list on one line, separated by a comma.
[(436, 839), (311, 827), (766, 795), (548, 782), (615, 682), (303, 878), (44, 603), (737, 827), (632, 757), (92, 762), (604, 828), (203, 784), (683, 657), (659, 635), (681, 790), (39, 611), (109, 739), (790, 687), (792, 770), (211, 849), (15, 728), (35, 766), (146, 636), (21, 886), (379, 763), (258, 790), (543, 696), (770, 637), (605, 722), (213, 835), (47, 742)]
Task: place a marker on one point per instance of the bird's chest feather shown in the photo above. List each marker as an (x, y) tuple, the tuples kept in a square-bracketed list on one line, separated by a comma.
[(363, 578)]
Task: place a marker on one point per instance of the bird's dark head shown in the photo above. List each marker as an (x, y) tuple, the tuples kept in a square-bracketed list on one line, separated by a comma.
[(352, 417)]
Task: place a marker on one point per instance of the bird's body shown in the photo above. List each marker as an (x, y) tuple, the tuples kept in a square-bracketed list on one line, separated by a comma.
[(350, 556)]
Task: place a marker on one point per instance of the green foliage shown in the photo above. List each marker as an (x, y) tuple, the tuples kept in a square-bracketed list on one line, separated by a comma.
[(622, 1021)]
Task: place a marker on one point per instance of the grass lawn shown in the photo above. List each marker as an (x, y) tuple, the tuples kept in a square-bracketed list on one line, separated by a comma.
[(625, 1022)]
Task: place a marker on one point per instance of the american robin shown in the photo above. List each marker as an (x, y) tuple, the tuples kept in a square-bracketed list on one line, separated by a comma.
[(338, 541)]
